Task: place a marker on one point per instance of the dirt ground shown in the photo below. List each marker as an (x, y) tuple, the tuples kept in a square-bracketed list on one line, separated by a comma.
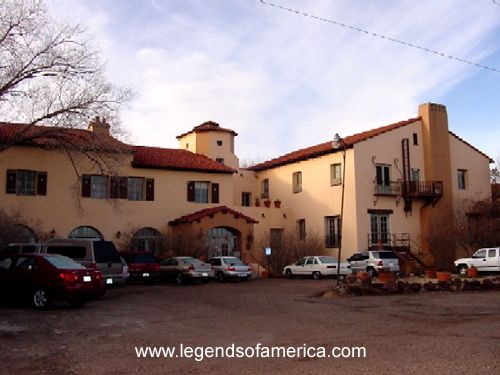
[(433, 332)]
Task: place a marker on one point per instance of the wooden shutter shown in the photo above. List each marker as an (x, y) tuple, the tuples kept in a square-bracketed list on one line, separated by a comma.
[(86, 185), (123, 187), (150, 189), (114, 187), (41, 183), (11, 182), (215, 193), (190, 191)]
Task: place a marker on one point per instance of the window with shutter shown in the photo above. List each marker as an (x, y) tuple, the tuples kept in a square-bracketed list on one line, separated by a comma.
[(41, 183), (86, 188), (150, 189), (11, 182), (190, 191), (215, 193)]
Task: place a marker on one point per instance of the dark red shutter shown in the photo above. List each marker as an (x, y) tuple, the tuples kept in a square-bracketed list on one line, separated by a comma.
[(190, 191), (114, 187), (150, 189), (123, 187), (86, 185), (41, 183), (11, 182), (215, 193)]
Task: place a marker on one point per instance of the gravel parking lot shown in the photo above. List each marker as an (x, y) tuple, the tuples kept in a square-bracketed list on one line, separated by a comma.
[(439, 333)]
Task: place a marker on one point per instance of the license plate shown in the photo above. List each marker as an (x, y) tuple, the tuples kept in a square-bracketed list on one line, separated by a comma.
[(145, 274), (109, 281), (204, 274), (242, 275), (87, 279)]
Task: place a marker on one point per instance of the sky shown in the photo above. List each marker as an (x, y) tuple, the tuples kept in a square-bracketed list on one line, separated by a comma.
[(284, 81)]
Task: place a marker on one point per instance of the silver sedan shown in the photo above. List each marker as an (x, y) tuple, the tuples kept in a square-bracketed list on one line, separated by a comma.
[(316, 266)]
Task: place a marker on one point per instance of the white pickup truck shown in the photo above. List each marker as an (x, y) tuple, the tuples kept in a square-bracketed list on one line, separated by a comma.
[(485, 260)]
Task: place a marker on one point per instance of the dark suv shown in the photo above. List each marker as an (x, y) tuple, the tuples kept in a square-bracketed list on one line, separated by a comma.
[(142, 265)]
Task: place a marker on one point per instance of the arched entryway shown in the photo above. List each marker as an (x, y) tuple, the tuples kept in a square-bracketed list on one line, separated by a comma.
[(24, 234), (223, 241), (147, 239)]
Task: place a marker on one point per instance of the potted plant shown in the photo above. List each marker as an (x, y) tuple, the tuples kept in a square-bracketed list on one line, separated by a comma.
[(430, 273), (472, 272), (267, 203), (277, 203), (443, 276)]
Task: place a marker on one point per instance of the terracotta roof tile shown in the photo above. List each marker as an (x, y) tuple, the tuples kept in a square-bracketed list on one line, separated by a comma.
[(53, 138), (198, 215), (326, 147), (176, 159), (208, 126)]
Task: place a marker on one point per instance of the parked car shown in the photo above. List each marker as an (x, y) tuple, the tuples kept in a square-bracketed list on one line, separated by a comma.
[(374, 261), (230, 268), (22, 248), (485, 260), (125, 273), (182, 269), (43, 278), (142, 265), (316, 266)]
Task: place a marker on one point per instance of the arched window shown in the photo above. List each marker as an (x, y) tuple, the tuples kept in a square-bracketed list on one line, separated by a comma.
[(25, 234), (85, 232), (147, 239)]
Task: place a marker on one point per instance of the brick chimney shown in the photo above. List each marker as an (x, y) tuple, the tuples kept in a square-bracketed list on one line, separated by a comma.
[(99, 126)]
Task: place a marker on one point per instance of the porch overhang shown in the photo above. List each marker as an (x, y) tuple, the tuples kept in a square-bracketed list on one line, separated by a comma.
[(210, 213)]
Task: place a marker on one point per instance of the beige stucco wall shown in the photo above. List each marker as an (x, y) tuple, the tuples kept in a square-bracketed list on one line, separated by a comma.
[(386, 149), (205, 143)]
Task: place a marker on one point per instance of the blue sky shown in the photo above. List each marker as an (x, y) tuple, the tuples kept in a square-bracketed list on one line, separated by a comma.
[(284, 81)]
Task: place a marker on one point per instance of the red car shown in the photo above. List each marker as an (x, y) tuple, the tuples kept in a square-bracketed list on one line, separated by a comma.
[(142, 265), (43, 278)]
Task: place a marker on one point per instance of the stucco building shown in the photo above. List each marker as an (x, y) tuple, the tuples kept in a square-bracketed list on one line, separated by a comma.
[(402, 183)]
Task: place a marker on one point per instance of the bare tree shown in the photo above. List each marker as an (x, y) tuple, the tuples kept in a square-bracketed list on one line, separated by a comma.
[(50, 74)]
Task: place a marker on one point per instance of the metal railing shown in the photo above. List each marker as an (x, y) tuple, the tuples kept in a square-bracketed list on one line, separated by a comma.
[(393, 188), (430, 189)]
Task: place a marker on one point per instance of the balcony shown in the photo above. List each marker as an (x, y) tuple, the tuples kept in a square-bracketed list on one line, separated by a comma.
[(423, 189), (392, 188)]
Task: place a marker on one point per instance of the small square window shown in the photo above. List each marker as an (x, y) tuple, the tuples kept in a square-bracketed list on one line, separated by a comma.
[(265, 188), (415, 139), (246, 198), (219, 143), (335, 174), (462, 179), (219, 160), (297, 182)]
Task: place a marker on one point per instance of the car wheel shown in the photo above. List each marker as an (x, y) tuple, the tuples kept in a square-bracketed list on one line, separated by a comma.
[(316, 275), (220, 276), (462, 270), (288, 273), (179, 279), (371, 271), (40, 298)]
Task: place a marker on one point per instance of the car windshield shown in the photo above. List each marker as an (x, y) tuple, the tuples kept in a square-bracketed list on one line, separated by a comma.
[(191, 261), (62, 262), (385, 255), (233, 261), (144, 258), (328, 260)]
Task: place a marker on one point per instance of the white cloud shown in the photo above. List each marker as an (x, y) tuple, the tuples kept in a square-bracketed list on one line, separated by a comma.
[(281, 80)]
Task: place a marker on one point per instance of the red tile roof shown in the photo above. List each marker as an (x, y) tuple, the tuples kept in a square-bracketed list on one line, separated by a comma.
[(326, 148), (52, 138), (176, 159), (210, 212), (208, 126)]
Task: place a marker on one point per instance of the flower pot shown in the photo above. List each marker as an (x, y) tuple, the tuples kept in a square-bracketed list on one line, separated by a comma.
[(472, 272), (430, 274), (363, 276), (277, 203), (267, 203), (443, 276), (386, 276)]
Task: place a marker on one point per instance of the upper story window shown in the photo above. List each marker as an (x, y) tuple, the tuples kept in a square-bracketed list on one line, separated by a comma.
[(118, 187), (335, 174), (219, 143), (415, 174), (383, 178), (219, 160), (135, 187), (332, 231), (462, 179), (202, 192), (264, 188), (297, 182), (246, 198), (25, 182), (415, 139)]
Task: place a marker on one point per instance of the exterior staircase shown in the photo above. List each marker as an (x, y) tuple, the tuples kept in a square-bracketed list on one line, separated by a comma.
[(415, 262)]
